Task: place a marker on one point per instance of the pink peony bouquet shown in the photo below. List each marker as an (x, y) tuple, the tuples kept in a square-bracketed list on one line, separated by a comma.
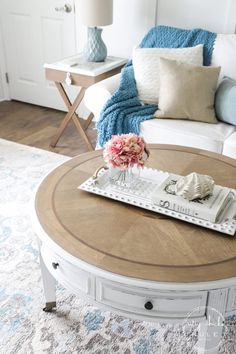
[(125, 150)]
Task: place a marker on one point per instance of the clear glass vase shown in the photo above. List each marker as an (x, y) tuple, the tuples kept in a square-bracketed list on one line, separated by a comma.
[(124, 178)]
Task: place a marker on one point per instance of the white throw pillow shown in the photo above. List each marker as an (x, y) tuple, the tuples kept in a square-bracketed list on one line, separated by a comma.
[(224, 55), (146, 67)]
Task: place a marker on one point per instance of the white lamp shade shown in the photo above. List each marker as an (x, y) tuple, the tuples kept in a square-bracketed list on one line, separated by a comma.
[(95, 12)]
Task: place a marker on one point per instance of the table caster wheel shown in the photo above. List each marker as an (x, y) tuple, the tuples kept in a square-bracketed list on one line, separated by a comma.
[(49, 306)]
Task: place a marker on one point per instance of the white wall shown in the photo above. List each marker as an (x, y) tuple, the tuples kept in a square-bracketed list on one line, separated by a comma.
[(133, 18), (131, 21), (215, 15)]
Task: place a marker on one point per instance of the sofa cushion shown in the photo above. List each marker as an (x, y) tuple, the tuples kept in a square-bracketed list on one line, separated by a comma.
[(187, 133), (225, 101), (187, 91), (97, 95), (146, 67), (230, 146)]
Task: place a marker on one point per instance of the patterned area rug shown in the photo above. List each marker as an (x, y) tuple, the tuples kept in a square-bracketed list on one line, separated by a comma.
[(75, 327)]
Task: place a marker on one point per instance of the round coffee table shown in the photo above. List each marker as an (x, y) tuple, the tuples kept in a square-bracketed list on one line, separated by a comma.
[(132, 261)]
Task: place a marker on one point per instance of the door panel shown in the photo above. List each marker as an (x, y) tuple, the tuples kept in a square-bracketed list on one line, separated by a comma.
[(55, 28), (22, 38), (35, 33)]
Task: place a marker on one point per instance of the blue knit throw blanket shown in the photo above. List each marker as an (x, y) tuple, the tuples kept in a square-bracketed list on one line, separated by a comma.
[(123, 112)]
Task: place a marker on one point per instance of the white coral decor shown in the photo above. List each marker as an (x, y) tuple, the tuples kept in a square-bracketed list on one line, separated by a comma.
[(194, 186)]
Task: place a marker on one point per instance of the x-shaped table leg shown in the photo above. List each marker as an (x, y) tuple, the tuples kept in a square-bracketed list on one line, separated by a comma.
[(71, 115)]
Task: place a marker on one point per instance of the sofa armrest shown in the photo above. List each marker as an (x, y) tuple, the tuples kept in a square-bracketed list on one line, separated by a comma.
[(96, 95)]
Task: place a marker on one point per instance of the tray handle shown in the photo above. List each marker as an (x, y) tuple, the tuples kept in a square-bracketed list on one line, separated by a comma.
[(95, 175)]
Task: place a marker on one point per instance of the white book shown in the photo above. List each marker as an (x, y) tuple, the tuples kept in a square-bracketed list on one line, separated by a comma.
[(208, 208)]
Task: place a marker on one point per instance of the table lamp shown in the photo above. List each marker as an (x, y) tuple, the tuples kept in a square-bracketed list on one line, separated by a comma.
[(95, 13)]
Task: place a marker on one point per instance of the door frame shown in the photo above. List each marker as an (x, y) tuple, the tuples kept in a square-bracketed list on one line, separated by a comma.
[(3, 67)]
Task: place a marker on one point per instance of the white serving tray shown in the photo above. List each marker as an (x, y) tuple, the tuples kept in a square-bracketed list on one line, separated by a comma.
[(140, 195), (78, 65)]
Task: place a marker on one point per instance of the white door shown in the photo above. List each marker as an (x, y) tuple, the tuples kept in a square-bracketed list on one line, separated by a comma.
[(35, 32)]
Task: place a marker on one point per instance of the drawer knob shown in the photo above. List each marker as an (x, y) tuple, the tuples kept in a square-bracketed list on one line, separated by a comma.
[(148, 305), (55, 265)]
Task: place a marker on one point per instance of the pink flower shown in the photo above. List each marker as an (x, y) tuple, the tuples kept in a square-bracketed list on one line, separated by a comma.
[(125, 150)]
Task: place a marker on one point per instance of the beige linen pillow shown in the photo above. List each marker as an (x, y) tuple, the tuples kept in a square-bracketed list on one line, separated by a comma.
[(187, 91), (146, 67)]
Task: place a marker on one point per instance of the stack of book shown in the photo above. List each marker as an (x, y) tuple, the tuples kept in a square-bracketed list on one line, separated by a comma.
[(209, 208)]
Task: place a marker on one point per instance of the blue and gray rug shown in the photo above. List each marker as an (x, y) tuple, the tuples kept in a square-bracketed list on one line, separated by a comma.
[(75, 327)]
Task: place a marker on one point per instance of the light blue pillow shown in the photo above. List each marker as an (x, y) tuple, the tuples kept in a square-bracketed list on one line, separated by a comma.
[(225, 101)]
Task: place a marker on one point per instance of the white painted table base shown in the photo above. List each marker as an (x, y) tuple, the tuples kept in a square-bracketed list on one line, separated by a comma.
[(127, 261), (215, 295)]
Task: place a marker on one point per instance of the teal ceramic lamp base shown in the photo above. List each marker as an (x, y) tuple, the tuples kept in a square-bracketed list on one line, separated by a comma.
[(95, 49)]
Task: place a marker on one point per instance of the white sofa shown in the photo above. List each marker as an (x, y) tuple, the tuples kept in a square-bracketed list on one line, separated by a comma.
[(220, 137)]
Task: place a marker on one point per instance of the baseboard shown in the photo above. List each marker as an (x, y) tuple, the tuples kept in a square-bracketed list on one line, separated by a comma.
[(4, 99)]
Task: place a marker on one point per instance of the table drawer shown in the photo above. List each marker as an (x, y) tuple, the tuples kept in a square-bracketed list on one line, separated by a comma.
[(150, 303), (68, 274)]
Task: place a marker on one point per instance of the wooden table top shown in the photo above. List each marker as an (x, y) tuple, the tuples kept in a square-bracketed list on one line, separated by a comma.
[(131, 241)]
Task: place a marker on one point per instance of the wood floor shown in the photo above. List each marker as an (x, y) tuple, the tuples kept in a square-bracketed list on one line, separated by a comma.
[(34, 126)]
